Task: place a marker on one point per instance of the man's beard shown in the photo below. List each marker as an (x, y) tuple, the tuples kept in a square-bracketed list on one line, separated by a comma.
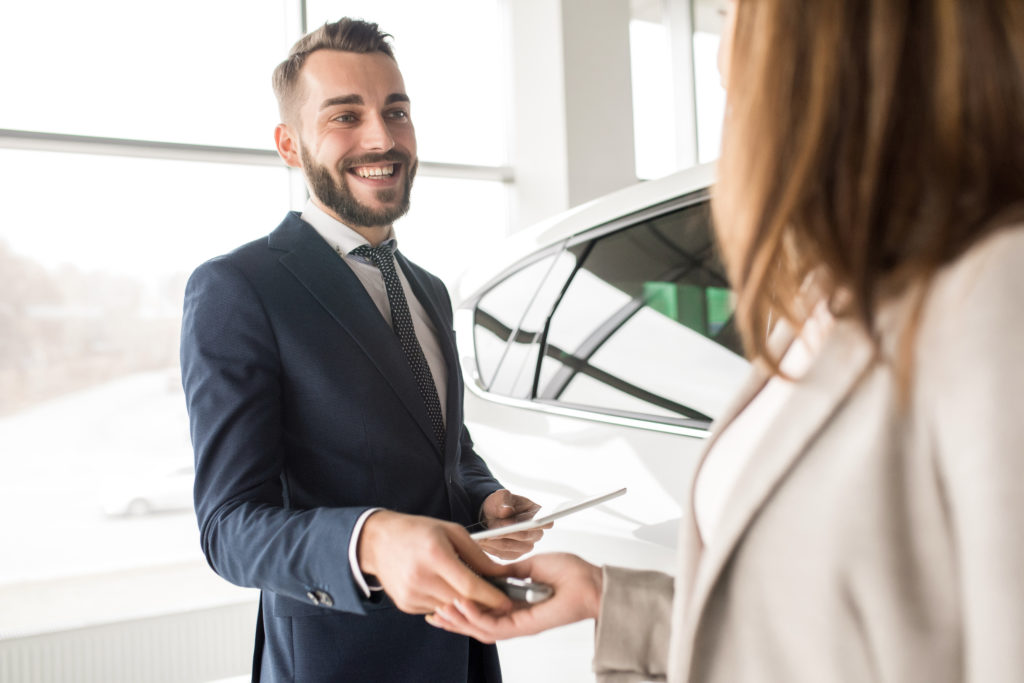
[(337, 196)]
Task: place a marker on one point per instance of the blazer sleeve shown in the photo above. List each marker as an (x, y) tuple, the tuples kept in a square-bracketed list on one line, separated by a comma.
[(971, 375), (477, 480), (633, 630), (231, 375)]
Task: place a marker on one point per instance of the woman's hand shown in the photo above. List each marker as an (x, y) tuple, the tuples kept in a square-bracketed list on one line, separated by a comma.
[(577, 585)]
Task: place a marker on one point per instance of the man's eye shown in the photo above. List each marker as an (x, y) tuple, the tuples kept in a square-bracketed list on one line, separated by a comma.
[(345, 118), (398, 114)]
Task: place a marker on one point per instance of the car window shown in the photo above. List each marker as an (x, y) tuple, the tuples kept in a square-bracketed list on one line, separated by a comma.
[(509, 319), (645, 324)]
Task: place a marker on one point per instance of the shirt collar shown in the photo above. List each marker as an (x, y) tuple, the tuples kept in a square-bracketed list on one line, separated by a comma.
[(342, 238)]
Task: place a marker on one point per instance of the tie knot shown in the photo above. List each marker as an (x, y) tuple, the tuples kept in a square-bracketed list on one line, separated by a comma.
[(375, 255)]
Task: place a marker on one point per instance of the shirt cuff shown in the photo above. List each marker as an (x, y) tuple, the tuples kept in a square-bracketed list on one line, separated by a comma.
[(353, 559)]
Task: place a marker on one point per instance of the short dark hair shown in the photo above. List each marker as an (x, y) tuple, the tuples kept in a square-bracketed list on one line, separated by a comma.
[(345, 35)]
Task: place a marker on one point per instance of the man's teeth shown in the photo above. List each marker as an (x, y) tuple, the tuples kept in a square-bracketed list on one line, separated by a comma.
[(374, 171)]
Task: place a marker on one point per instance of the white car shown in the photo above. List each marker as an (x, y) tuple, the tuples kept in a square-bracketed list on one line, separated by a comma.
[(597, 348), (166, 490)]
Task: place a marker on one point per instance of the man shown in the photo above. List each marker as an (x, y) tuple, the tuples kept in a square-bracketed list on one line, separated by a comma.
[(325, 401)]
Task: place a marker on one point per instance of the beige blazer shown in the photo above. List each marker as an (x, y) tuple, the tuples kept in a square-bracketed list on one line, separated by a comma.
[(862, 543)]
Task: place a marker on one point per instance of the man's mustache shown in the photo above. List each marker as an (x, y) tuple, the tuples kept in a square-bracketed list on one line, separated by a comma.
[(388, 157)]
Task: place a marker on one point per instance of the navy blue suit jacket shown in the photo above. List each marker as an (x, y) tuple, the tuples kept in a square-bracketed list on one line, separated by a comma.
[(303, 414)]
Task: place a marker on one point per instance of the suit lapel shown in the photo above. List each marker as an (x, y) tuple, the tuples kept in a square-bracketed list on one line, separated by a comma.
[(842, 362), (333, 284)]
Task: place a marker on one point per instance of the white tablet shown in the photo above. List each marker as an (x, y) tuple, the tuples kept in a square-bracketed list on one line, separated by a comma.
[(544, 518)]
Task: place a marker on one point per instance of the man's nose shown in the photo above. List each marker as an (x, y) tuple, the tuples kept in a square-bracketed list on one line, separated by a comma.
[(376, 135)]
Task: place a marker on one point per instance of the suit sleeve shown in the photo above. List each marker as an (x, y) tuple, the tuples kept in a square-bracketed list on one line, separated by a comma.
[(477, 479), (972, 378), (231, 376), (633, 629)]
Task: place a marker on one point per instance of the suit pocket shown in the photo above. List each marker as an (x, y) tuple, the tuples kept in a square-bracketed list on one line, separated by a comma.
[(281, 606)]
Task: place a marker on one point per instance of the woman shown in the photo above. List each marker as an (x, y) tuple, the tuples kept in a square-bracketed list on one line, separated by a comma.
[(870, 209)]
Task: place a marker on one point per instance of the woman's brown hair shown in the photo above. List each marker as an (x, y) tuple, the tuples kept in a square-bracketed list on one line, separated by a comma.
[(877, 139)]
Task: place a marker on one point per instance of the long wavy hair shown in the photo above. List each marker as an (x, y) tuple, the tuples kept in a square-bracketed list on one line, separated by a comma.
[(869, 140)]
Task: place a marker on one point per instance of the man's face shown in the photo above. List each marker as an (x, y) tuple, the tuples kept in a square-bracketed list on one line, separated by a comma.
[(356, 140)]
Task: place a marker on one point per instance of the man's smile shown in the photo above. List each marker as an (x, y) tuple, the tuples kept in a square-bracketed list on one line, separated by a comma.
[(372, 173)]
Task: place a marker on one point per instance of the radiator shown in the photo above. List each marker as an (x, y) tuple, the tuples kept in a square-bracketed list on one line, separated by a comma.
[(187, 647)]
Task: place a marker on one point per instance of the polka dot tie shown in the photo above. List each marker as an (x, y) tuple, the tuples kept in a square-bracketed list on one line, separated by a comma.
[(401, 321)]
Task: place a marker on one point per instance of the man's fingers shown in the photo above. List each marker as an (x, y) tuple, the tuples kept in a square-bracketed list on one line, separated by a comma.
[(506, 549), (470, 553), (470, 585), (528, 536), (499, 505)]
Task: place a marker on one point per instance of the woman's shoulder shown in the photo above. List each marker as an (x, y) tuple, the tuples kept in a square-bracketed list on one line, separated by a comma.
[(989, 274), (973, 311)]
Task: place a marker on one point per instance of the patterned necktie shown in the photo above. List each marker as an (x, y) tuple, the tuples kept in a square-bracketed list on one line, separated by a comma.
[(401, 321)]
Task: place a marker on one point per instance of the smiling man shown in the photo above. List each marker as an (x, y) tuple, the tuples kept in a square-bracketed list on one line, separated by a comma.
[(333, 469)]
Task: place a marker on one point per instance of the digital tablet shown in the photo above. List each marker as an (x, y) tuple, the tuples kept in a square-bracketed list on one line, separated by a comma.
[(543, 517)]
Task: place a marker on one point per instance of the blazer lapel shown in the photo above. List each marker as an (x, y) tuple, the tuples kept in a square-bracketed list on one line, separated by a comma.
[(333, 284), (843, 360)]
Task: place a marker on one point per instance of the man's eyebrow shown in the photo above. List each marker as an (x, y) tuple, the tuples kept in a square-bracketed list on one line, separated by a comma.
[(341, 99), (358, 99)]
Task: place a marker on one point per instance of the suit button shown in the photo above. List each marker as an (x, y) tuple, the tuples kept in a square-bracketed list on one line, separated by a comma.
[(320, 598)]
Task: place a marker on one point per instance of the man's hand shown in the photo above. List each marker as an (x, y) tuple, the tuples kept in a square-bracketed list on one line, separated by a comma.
[(502, 508), (421, 563), (578, 586)]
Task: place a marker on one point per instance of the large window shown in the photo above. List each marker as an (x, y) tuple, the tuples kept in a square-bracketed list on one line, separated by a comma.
[(94, 254), (136, 142), (678, 99), (195, 72)]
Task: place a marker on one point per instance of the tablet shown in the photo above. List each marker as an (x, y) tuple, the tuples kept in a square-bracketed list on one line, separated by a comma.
[(545, 518)]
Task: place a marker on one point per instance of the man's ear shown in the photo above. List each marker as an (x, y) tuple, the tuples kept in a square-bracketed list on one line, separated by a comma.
[(287, 145)]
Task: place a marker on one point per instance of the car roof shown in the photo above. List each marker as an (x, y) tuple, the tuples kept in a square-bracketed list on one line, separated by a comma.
[(578, 219)]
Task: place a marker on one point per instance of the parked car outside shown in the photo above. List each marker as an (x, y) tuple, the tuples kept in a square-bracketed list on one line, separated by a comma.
[(163, 490), (597, 348)]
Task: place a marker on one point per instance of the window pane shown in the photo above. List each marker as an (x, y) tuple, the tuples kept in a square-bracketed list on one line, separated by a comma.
[(654, 112), (498, 314), (655, 116), (195, 71), (709, 95), (94, 253), (516, 311), (645, 324), (452, 58)]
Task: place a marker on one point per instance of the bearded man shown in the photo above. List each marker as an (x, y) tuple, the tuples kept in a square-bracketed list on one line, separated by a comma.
[(333, 468)]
